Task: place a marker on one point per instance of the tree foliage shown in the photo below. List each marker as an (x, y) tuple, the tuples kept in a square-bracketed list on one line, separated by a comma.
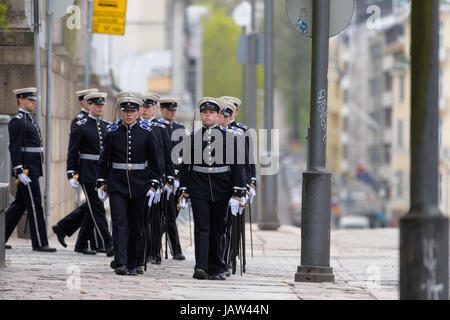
[(3, 20)]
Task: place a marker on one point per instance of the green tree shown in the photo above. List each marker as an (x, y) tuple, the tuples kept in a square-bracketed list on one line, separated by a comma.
[(3, 20), (221, 72)]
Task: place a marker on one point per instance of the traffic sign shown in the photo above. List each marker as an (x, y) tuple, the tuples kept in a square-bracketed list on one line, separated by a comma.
[(300, 13), (109, 16)]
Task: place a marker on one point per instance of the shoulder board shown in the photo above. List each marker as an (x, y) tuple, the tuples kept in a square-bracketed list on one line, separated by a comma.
[(236, 130), (80, 116), (113, 126), (81, 122), (242, 126), (193, 132), (157, 124), (223, 129), (107, 122), (163, 121), (145, 121), (19, 116), (179, 123), (145, 127)]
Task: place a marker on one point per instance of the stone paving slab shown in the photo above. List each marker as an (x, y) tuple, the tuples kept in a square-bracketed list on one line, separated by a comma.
[(365, 264)]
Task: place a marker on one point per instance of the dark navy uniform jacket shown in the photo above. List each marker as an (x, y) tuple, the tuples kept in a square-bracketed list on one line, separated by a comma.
[(24, 132), (250, 168), (86, 138), (211, 186), (80, 116), (161, 129), (172, 126), (134, 144)]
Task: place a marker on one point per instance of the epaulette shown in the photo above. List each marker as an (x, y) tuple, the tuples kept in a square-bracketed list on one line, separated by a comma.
[(158, 124), (81, 116), (242, 126), (161, 120), (113, 126), (19, 115), (106, 122), (82, 121), (193, 132), (236, 130), (145, 121), (144, 126), (179, 123), (223, 129)]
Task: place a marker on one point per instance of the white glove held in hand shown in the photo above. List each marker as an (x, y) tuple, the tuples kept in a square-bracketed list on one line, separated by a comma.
[(168, 189), (24, 179), (74, 183), (157, 196), (252, 194), (242, 204), (150, 194), (184, 203), (234, 206), (102, 195), (176, 185)]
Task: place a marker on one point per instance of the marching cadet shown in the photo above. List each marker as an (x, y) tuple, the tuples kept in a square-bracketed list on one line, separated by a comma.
[(168, 108), (25, 147), (85, 145), (129, 170), (148, 111), (211, 185), (69, 224)]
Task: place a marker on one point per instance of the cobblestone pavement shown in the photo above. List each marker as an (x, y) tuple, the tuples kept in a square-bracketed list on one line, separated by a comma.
[(365, 264)]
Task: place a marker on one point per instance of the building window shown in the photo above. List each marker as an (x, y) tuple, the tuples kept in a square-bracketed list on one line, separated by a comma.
[(402, 88), (387, 153), (400, 134), (399, 184), (387, 81), (388, 118)]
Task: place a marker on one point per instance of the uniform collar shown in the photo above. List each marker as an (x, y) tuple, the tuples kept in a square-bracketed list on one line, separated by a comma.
[(25, 111), (84, 110), (129, 126), (92, 117), (212, 127)]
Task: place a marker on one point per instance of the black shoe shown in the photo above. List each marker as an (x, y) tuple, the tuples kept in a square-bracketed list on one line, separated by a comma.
[(179, 257), (45, 249), (121, 270), (86, 251), (131, 272), (219, 276), (139, 270), (155, 260), (102, 250), (7, 247), (228, 273), (200, 274), (110, 252), (113, 265), (60, 235)]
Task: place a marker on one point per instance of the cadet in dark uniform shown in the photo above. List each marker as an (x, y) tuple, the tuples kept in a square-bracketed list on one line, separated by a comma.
[(85, 145), (168, 108), (149, 108), (129, 171), (212, 184), (25, 147), (69, 224)]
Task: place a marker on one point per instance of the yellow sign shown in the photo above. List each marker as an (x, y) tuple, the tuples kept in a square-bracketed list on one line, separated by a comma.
[(109, 16)]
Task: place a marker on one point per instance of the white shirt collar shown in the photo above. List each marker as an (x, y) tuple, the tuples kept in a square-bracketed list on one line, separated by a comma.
[(212, 127), (130, 126), (96, 119), (25, 111)]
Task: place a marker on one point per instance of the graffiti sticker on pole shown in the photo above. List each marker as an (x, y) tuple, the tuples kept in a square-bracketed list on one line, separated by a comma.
[(109, 16)]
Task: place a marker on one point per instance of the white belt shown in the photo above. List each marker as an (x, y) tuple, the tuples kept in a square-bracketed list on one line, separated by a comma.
[(211, 169), (32, 149), (87, 156), (130, 166)]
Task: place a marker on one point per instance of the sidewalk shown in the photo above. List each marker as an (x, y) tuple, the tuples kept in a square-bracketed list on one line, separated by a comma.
[(356, 256)]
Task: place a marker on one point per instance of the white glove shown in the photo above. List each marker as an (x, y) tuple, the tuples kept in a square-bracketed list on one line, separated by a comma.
[(242, 204), (184, 204), (150, 194), (252, 194), (234, 206), (102, 195), (24, 179), (176, 185), (157, 196), (168, 189), (74, 183)]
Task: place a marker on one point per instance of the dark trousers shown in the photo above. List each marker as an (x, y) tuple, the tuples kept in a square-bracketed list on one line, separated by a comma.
[(172, 230), (227, 239), (209, 228), (94, 218), (70, 223), (28, 198), (127, 217)]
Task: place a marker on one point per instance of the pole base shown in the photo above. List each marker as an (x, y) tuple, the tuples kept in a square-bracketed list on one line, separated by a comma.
[(314, 274)]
